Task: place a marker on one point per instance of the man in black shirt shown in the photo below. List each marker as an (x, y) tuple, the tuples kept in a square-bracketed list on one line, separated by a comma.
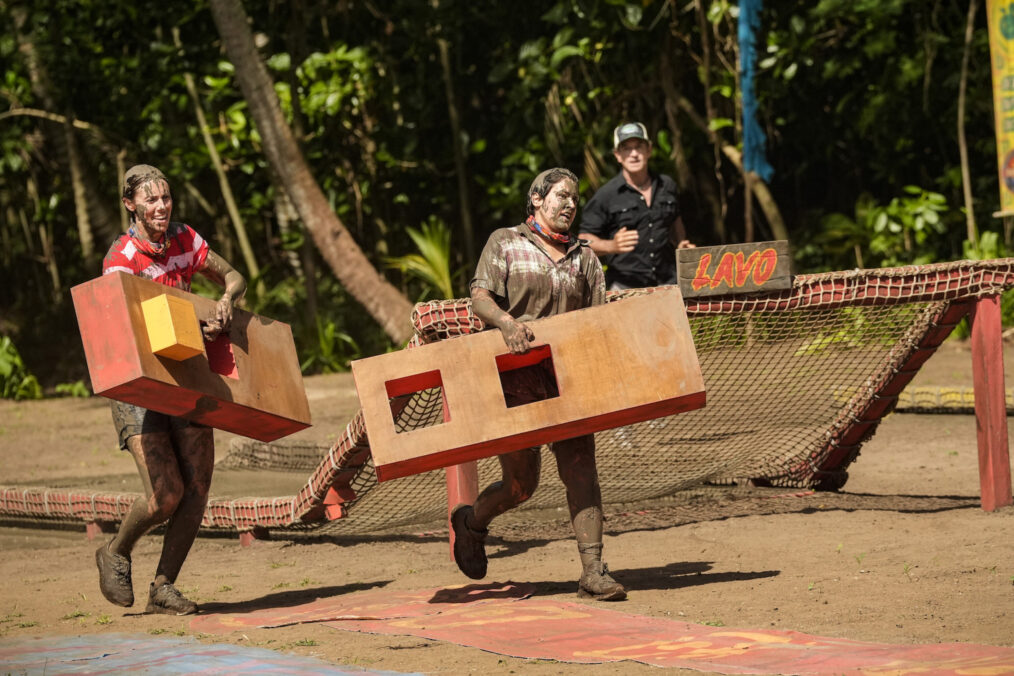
[(634, 221)]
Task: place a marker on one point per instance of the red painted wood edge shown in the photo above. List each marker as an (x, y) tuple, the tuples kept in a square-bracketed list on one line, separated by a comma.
[(541, 436), (990, 408)]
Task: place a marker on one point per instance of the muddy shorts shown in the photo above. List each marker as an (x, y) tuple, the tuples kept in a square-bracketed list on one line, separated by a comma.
[(130, 420)]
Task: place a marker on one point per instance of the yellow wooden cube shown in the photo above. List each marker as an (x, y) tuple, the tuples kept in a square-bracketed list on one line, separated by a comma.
[(173, 329)]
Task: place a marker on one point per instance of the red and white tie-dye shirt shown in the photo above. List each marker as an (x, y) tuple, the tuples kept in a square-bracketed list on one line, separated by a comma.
[(184, 254)]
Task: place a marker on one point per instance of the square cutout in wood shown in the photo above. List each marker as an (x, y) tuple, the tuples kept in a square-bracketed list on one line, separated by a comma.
[(512, 367), (428, 385)]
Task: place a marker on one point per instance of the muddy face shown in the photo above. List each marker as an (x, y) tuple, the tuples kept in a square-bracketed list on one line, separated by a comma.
[(559, 207), (152, 206)]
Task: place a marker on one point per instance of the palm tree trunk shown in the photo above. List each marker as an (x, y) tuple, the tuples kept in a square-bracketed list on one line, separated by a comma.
[(382, 300)]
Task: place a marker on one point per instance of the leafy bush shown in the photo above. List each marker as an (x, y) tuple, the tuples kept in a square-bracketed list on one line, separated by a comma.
[(332, 352), (907, 230), (15, 380), (432, 265), (74, 389)]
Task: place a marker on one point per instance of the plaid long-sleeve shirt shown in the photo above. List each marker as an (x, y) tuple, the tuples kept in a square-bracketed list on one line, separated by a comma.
[(527, 284)]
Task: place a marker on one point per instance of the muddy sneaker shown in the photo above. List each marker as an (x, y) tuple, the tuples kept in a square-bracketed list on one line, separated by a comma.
[(167, 600), (114, 577), (596, 583), (469, 544)]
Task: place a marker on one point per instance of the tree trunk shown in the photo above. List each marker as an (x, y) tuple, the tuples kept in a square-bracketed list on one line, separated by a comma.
[(99, 216), (464, 204), (757, 186), (763, 195), (84, 223), (253, 269), (382, 300), (966, 178), (709, 107), (749, 178)]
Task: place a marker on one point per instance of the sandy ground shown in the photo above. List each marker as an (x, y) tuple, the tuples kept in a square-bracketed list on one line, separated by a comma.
[(902, 554)]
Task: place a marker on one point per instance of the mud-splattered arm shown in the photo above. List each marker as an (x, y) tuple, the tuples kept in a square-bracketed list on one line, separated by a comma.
[(517, 335), (218, 270)]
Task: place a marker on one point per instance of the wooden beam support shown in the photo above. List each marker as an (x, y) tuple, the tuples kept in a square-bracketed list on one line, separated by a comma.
[(990, 407), (248, 537)]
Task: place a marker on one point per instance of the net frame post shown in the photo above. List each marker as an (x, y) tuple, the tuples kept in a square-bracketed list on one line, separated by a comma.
[(990, 405), (462, 486), (248, 536)]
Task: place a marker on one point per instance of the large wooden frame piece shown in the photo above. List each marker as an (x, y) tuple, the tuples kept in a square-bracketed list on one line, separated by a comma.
[(247, 382), (615, 364)]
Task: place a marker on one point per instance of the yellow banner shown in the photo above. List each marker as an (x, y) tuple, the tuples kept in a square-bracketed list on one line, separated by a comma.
[(1000, 15)]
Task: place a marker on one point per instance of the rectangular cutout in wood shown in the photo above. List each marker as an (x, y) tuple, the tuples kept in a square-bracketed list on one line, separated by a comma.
[(512, 367), (427, 385)]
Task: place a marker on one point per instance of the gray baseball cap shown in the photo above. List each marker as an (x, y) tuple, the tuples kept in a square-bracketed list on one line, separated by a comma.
[(629, 130)]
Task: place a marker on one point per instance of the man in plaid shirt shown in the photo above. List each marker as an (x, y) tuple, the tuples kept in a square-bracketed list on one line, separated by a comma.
[(532, 270)]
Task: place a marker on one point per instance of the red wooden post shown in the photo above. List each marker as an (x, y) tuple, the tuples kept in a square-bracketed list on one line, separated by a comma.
[(251, 535), (93, 529), (990, 407), (462, 486)]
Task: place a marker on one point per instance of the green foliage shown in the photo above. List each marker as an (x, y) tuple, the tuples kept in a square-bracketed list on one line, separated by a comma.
[(849, 336), (75, 389), (432, 265), (333, 351), (907, 230), (859, 99), (15, 380), (989, 246)]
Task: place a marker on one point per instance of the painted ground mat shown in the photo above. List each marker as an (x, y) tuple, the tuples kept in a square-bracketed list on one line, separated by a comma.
[(142, 654), (504, 618)]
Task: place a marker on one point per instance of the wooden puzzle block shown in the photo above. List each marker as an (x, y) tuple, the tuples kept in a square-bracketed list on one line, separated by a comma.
[(247, 381), (173, 329), (735, 268), (615, 364)]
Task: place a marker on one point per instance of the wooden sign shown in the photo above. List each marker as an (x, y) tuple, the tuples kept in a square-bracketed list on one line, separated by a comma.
[(736, 268), (615, 364), (247, 381)]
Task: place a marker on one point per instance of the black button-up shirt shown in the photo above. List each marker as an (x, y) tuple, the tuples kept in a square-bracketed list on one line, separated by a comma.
[(616, 205)]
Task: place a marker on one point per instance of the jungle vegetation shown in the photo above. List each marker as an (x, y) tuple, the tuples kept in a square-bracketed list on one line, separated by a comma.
[(351, 157)]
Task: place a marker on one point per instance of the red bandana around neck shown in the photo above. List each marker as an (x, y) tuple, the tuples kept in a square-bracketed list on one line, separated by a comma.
[(548, 234), (147, 246)]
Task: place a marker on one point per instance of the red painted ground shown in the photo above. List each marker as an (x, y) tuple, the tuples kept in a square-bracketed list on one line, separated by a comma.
[(505, 619)]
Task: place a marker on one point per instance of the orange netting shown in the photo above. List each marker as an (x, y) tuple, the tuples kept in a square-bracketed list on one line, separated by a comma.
[(796, 382)]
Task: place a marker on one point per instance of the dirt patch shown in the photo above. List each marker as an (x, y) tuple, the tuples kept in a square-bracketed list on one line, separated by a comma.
[(902, 554)]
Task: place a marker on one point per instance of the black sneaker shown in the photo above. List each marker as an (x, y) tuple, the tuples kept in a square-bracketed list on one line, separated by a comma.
[(114, 576), (167, 600), (597, 583), (469, 544)]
